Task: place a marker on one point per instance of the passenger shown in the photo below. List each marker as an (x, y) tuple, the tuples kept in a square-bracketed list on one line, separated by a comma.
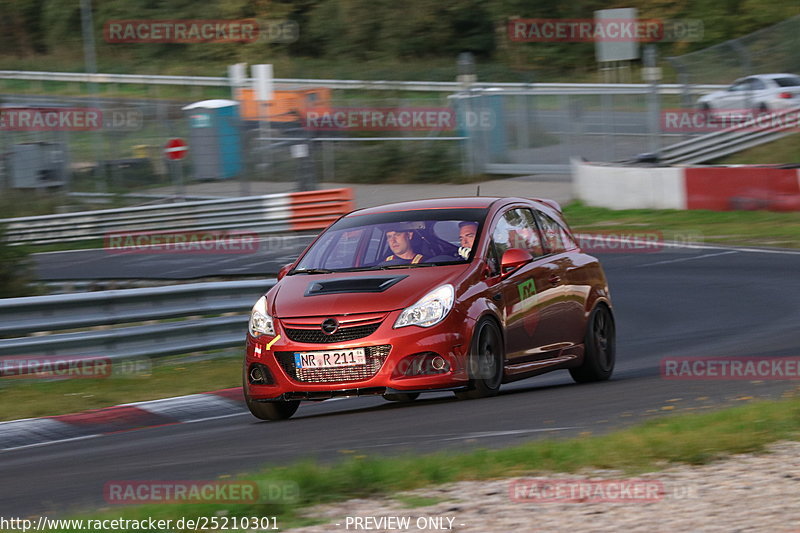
[(466, 237), (403, 252)]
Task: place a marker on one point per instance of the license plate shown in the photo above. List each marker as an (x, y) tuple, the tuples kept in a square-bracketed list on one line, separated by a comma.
[(330, 359)]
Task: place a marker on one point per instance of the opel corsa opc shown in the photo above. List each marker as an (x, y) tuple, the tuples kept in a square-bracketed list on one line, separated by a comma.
[(457, 294)]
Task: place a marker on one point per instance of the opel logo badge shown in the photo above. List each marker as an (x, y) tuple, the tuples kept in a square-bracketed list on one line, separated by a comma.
[(329, 326)]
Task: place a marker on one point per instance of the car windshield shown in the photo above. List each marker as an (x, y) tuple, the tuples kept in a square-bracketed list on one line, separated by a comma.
[(788, 81), (399, 239)]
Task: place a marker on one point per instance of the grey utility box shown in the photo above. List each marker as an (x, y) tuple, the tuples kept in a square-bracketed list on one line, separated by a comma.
[(37, 165)]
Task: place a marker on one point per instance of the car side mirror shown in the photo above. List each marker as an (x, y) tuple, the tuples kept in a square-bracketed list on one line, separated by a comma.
[(513, 258), (284, 269)]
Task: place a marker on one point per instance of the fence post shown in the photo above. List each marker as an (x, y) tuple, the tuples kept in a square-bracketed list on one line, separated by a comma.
[(653, 103)]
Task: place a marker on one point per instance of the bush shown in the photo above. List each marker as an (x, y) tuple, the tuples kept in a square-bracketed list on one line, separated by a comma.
[(389, 162)]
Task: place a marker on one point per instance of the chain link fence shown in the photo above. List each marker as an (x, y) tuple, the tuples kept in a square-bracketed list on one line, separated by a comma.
[(111, 140), (353, 135), (769, 50)]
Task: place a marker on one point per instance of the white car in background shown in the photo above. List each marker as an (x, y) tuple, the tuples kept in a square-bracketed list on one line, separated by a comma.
[(763, 93)]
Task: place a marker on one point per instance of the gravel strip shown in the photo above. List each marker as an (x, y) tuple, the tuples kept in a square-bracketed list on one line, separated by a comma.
[(743, 493)]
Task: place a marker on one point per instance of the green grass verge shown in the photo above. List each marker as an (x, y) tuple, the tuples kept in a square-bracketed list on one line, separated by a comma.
[(786, 150), (651, 446), (750, 228), (174, 377)]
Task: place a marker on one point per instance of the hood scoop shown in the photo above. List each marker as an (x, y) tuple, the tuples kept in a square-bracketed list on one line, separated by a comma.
[(352, 285)]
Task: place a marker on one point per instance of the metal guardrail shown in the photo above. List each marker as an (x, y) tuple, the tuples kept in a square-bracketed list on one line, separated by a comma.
[(728, 141), (105, 197), (271, 213), (516, 169), (428, 86), (46, 314)]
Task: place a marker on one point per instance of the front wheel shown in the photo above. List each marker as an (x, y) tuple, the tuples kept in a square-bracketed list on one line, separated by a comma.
[(402, 397), (599, 348), (484, 362), (279, 410)]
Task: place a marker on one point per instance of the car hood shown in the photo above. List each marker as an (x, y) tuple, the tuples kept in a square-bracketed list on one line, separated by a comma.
[(712, 96), (303, 295)]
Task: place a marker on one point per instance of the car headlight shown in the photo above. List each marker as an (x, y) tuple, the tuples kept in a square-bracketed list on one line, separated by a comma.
[(260, 322), (429, 310)]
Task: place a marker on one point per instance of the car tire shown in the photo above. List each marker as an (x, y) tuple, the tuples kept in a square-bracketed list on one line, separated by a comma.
[(763, 109), (279, 410), (401, 397), (484, 362), (599, 348), (276, 410)]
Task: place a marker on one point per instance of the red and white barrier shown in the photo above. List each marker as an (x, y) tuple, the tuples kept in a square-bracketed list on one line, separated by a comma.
[(270, 213), (704, 187)]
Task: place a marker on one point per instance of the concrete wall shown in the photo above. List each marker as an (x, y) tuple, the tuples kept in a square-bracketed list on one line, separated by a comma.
[(715, 188)]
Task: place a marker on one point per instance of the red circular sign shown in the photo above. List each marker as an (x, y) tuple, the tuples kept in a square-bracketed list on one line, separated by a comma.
[(175, 149)]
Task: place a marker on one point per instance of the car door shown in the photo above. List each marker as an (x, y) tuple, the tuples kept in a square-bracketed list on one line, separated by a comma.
[(734, 97), (572, 289), (527, 295)]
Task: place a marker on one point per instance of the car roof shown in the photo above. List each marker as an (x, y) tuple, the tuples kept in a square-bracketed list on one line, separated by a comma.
[(464, 202), (769, 76)]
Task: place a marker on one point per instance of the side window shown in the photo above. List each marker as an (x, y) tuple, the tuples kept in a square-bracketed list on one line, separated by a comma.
[(757, 85), (739, 86), (556, 238), (517, 229), (569, 242)]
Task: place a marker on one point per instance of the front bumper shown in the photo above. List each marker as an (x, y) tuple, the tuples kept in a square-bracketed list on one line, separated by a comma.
[(391, 356)]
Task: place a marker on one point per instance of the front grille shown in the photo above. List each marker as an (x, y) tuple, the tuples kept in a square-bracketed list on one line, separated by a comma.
[(375, 356), (317, 336)]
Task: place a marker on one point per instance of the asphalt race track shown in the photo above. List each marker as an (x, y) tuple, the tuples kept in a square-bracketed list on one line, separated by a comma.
[(679, 302), (267, 258)]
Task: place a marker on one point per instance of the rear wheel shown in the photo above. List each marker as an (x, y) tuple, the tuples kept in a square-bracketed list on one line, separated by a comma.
[(484, 362), (600, 348), (402, 397)]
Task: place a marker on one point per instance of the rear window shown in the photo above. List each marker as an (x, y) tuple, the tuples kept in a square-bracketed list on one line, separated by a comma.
[(788, 81)]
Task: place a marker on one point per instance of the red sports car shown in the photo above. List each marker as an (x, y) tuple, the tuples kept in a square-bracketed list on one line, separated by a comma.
[(456, 294)]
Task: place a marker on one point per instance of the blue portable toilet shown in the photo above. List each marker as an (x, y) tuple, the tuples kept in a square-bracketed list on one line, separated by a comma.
[(215, 140)]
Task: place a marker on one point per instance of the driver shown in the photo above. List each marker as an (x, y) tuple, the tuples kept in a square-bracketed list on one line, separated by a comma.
[(401, 243), (466, 237)]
